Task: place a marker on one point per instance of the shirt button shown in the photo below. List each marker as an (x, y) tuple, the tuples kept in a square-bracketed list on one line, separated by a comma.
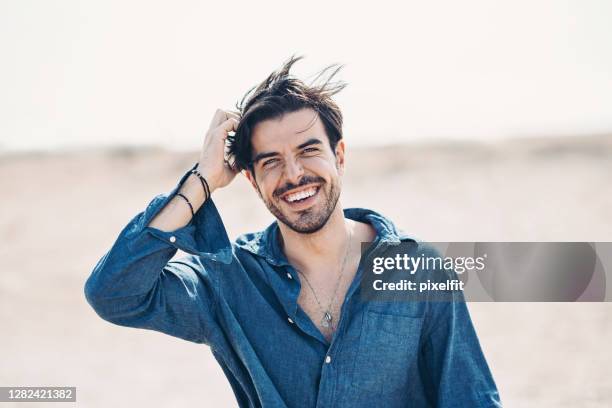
[(173, 239), (328, 359), (290, 320), (289, 275)]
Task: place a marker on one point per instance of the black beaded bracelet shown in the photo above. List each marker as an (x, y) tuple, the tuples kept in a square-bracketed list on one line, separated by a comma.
[(204, 183), (188, 203)]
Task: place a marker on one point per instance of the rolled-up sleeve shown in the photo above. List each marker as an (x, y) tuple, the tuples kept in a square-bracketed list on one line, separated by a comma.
[(136, 284)]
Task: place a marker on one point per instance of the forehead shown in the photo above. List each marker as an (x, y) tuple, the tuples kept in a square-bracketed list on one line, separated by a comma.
[(287, 131)]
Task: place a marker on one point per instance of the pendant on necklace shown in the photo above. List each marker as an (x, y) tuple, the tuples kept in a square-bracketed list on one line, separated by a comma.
[(327, 319)]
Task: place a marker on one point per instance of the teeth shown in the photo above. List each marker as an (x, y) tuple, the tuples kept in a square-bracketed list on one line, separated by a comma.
[(301, 195)]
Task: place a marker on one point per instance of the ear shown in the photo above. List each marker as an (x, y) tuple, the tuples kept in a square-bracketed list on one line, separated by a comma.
[(340, 156), (251, 177)]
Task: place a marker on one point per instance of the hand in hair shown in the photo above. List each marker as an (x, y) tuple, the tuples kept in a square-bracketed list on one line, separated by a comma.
[(212, 162)]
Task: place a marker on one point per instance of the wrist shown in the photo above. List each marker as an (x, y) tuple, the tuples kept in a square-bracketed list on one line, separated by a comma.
[(205, 181), (211, 185), (192, 187)]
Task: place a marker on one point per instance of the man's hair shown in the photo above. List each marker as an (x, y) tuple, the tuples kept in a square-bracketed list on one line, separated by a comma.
[(282, 93)]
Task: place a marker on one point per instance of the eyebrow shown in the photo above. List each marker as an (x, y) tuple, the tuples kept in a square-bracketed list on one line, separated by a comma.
[(309, 142)]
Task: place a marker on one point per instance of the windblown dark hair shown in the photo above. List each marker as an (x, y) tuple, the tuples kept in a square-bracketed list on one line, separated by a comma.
[(282, 93)]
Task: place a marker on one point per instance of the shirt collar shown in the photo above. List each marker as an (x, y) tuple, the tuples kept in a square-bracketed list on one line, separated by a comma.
[(266, 243)]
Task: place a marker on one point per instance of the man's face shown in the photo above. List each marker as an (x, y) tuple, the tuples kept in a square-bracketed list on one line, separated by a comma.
[(295, 172)]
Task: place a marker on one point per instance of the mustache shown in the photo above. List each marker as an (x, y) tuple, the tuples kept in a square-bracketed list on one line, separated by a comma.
[(290, 186)]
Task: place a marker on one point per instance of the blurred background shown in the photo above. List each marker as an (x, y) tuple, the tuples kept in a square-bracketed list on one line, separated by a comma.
[(464, 121)]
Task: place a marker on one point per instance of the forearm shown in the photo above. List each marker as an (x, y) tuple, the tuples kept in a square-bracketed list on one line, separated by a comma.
[(177, 214), (136, 284), (132, 267), (152, 238)]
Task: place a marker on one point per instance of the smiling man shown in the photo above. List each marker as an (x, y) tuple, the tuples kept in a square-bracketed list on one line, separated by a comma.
[(280, 308)]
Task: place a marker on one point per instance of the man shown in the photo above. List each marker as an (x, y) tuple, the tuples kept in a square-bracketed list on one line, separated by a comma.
[(280, 308)]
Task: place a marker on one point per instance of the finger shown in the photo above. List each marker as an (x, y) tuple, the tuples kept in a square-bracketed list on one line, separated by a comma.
[(232, 114), (219, 117), (229, 125)]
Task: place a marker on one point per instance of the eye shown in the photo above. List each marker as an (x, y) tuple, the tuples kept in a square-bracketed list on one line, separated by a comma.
[(310, 150), (269, 163)]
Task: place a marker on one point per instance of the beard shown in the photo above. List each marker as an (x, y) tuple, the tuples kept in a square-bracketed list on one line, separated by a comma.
[(311, 219)]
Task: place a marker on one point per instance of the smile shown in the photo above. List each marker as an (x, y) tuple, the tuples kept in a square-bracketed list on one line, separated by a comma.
[(301, 195)]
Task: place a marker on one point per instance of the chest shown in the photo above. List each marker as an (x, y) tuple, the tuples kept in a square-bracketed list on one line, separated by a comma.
[(322, 296)]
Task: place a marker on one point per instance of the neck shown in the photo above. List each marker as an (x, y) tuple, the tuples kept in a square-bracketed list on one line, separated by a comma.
[(326, 245)]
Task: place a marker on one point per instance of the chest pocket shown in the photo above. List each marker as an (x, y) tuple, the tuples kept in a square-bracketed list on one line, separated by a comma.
[(388, 347)]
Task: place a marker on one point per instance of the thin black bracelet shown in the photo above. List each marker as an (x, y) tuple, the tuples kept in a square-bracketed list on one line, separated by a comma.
[(188, 203), (204, 183)]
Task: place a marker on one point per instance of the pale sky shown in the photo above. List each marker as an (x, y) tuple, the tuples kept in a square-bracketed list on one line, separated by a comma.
[(99, 73)]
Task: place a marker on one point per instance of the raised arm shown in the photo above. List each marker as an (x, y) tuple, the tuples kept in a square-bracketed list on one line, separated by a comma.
[(135, 284)]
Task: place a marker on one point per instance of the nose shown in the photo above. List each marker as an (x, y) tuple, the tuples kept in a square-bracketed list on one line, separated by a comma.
[(293, 171)]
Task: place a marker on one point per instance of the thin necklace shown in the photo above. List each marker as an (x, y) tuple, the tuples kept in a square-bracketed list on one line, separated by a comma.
[(328, 318)]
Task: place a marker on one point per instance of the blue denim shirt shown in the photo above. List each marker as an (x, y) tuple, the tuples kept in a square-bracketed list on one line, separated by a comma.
[(241, 299)]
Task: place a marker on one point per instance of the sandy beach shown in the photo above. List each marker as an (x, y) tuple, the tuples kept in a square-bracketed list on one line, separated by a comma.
[(61, 212)]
